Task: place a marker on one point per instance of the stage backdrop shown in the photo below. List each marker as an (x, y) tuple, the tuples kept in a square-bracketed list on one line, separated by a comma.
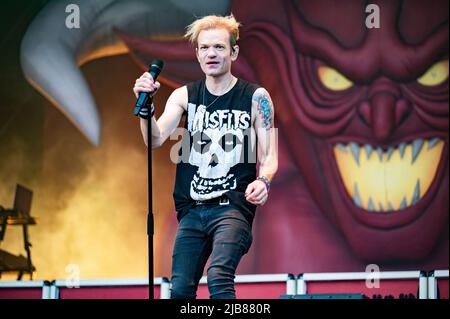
[(361, 102)]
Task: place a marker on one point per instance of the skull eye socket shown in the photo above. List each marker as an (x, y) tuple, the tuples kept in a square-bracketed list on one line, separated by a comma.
[(201, 142), (229, 141)]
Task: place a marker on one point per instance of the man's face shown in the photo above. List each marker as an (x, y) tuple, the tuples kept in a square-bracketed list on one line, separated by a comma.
[(214, 52)]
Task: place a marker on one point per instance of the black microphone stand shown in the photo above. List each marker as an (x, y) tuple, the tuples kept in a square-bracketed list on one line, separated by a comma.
[(144, 99), (150, 221)]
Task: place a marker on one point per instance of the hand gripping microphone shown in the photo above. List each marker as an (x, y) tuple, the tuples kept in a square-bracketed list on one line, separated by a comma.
[(145, 97)]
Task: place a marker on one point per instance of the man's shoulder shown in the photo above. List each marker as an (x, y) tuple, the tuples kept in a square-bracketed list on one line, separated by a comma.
[(179, 97), (259, 93), (181, 91)]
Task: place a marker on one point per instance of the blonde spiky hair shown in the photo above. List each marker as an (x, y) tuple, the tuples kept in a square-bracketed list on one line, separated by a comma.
[(228, 23)]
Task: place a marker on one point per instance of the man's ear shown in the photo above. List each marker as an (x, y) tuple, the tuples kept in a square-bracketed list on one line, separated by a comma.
[(234, 52)]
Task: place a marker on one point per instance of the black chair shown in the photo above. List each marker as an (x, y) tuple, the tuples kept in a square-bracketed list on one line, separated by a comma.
[(19, 215)]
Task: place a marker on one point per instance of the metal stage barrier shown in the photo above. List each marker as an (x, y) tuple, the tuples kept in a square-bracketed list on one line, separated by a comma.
[(421, 284)]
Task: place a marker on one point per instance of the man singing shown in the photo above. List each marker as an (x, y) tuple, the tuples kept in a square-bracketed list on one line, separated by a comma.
[(217, 189)]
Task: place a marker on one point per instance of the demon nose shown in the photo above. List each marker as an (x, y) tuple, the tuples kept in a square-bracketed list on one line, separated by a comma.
[(384, 113)]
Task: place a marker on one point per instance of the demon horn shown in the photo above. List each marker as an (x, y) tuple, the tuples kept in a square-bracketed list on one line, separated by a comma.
[(51, 52)]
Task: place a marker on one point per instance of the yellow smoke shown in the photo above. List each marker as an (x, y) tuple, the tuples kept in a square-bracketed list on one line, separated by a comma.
[(92, 202)]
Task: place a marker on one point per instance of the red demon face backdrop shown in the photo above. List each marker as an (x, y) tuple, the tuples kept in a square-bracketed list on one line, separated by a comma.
[(362, 112), (364, 115)]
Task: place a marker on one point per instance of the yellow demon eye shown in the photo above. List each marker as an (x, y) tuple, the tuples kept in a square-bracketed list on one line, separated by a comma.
[(435, 75), (333, 80)]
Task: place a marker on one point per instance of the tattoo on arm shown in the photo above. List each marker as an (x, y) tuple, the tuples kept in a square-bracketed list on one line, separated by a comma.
[(265, 109)]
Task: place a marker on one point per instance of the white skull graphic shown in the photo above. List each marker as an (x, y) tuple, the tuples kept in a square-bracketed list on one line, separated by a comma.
[(214, 152)]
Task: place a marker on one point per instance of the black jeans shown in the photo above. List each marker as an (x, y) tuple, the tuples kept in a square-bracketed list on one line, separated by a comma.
[(219, 231)]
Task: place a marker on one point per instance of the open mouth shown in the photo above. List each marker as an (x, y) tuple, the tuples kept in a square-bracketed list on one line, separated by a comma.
[(387, 180)]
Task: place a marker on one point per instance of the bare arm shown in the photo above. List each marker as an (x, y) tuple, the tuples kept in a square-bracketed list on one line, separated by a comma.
[(168, 121), (263, 109), (266, 134)]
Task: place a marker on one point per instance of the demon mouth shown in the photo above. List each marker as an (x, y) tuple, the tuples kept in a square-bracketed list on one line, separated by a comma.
[(388, 180), (204, 186)]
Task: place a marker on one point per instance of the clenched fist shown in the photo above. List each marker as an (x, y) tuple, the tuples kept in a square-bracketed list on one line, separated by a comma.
[(256, 193), (145, 84)]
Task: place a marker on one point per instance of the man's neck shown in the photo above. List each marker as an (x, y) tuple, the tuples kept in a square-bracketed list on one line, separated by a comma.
[(220, 85)]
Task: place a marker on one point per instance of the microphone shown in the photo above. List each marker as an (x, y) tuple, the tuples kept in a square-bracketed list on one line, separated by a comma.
[(144, 97)]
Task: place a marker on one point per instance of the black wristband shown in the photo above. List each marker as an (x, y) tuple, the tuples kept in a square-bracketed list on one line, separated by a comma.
[(143, 113)]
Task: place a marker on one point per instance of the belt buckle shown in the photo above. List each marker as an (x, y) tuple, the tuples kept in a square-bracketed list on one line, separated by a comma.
[(224, 201)]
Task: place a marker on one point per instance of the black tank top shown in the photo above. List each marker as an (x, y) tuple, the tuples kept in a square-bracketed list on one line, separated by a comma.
[(218, 152)]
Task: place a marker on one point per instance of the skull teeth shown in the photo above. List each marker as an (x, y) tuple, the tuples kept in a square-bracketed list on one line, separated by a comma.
[(205, 186)]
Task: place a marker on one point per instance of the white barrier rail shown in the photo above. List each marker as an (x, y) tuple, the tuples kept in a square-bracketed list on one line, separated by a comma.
[(302, 280), (50, 289), (427, 282), (433, 277), (289, 279)]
